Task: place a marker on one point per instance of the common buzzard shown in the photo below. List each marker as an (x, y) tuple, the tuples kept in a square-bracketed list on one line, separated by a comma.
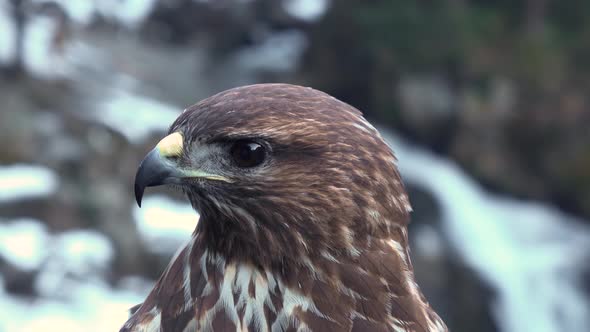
[(302, 225)]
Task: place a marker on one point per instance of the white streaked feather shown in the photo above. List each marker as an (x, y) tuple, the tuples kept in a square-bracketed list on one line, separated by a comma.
[(186, 272), (191, 326)]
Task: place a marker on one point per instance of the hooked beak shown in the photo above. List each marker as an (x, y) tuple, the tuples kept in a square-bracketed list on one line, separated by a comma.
[(160, 167)]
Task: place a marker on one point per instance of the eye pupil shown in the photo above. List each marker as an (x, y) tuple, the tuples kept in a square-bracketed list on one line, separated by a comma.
[(247, 153)]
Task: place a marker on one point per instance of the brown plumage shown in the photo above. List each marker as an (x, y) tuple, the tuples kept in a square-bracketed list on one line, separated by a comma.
[(303, 220)]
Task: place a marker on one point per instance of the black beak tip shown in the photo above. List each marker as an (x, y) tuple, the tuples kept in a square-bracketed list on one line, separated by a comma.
[(138, 194), (153, 171)]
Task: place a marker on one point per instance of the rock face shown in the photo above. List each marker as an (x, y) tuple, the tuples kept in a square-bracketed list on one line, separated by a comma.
[(501, 90)]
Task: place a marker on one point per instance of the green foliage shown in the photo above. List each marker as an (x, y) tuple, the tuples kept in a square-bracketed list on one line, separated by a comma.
[(415, 35), (424, 35)]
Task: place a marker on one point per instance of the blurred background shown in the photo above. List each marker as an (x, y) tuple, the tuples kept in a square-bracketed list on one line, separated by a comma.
[(486, 104)]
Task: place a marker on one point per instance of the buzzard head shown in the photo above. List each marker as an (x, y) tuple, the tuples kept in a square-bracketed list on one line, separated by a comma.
[(302, 219), (279, 172)]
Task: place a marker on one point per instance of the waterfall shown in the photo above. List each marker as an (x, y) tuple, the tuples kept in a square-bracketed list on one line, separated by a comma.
[(531, 253)]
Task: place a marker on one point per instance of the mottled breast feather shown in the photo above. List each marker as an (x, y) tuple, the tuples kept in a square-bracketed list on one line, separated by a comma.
[(316, 240)]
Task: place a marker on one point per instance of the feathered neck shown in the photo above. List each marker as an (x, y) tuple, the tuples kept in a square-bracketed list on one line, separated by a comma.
[(374, 289)]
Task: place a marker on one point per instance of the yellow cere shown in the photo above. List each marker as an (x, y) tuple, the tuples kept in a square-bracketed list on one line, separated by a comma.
[(171, 145)]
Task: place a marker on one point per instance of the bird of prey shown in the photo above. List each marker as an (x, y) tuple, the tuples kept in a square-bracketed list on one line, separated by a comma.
[(303, 220)]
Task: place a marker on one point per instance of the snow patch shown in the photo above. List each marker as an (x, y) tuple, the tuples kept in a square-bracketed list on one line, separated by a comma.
[(83, 249), (74, 264), (42, 54), (92, 307), (164, 224), (23, 243), (74, 255), (306, 10), (18, 182), (279, 52), (131, 13), (134, 116), (79, 11)]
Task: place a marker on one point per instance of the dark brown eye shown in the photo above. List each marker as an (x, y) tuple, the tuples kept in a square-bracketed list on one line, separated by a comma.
[(247, 153)]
